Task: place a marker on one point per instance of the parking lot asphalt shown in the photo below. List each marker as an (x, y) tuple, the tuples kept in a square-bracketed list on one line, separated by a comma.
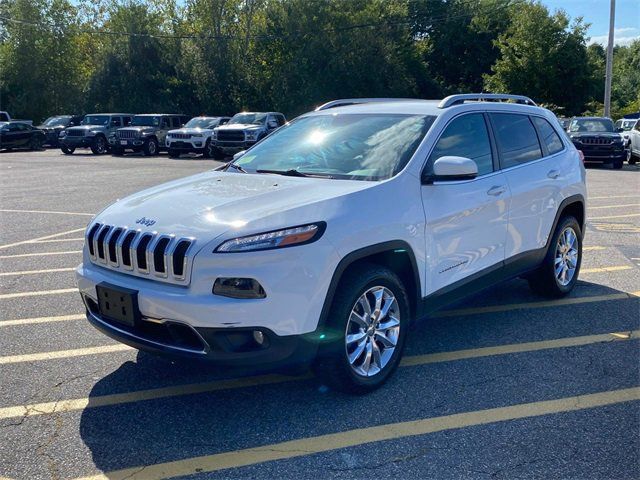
[(504, 385)]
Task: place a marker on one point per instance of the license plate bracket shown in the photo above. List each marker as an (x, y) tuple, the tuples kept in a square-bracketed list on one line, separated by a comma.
[(118, 304), (123, 142)]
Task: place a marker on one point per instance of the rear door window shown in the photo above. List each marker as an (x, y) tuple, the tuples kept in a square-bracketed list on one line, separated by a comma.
[(549, 137), (516, 138)]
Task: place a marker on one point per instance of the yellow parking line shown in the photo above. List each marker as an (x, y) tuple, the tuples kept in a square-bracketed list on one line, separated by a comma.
[(542, 304), (614, 206), (78, 352), (617, 268), (37, 293), (628, 215), (593, 248), (41, 254), (195, 388), (33, 272), (34, 321), (351, 438), (614, 196), (46, 237), (48, 212)]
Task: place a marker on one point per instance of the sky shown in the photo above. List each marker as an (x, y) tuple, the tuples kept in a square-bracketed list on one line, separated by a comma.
[(596, 12)]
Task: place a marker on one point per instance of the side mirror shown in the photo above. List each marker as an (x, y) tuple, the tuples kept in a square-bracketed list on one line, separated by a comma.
[(239, 154), (273, 124), (450, 168)]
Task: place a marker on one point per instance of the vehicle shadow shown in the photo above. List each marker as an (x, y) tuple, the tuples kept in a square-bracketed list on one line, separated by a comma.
[(167, 428)]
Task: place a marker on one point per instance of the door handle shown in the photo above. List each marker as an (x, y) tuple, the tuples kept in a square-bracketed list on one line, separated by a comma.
[(553, 174), (496, 190)]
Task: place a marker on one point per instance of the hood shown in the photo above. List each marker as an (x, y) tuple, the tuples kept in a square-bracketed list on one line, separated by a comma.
[(610, 135), (239, 126), (86, 127), (47, 128), (207, 205), (191, 130)]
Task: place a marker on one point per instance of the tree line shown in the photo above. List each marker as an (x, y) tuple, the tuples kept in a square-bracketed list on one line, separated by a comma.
[(223, 56)]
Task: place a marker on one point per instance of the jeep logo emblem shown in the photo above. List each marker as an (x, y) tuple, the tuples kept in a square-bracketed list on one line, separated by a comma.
[(147, 222)]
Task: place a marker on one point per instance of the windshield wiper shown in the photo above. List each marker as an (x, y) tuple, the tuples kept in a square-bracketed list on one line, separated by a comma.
[(287, 173), (237, 167)]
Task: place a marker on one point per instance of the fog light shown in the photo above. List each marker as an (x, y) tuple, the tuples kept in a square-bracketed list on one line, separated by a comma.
[(258, 336), (238, 288)]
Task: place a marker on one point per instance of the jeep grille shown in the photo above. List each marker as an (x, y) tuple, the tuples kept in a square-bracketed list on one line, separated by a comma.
[(145, 254), (181, 136), (596, 141), (128, 134), (230, 135), (75, 132)]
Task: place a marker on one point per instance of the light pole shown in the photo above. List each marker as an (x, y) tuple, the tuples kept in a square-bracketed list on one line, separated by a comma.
[(609, 71)]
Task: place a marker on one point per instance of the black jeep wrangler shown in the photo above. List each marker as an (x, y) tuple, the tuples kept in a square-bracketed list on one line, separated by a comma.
[(146, 133)]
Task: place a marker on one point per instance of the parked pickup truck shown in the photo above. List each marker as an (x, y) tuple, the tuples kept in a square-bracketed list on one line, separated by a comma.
[(194, 137), (243, 131)]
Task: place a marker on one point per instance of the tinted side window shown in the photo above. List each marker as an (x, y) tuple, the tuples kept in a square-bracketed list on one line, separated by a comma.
[(548, 135), (175, 121), (280, 119), (164, 123), (517, 139), (115, 122), (466, 136)]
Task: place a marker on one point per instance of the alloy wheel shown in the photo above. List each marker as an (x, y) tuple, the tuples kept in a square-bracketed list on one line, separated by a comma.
[(372, 331), (566, 258)]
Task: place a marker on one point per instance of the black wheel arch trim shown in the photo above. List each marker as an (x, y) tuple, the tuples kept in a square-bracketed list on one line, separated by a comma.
[(363, 253)]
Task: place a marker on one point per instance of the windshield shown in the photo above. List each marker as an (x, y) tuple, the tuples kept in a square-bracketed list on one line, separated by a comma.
[(591, 125), (145, 121), (96, 120), (53, 121), (350, 146), (200, 123), (625, 125), (249, 118)]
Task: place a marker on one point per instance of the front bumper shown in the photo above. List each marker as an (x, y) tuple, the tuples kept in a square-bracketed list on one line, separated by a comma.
[(77, 142), (184, 146), (223, 346), (128, 144), (602, 154)]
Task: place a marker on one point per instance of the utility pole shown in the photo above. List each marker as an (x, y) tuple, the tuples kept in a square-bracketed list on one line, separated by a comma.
[(609, 72)]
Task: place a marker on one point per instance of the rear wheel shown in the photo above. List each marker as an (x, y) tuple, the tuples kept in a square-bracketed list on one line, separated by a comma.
[(150, 147), (368, 324), (67, 150), (559, 271), (99, 146)]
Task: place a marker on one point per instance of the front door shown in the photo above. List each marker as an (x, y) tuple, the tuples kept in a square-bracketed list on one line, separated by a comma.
[(466, 220)]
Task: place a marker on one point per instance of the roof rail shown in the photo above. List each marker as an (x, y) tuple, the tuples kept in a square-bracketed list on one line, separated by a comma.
[(356, 101), (452, 100)]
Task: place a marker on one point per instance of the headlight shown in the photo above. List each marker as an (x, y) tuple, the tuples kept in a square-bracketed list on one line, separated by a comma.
[(91, 133), (197, 135), (252, 135), (63, 133), (276, 239)]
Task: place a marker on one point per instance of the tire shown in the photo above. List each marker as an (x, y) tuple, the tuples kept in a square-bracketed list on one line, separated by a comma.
[(217, 154), (36, 143), (633, 159), (99, 145), (150, 148), (545, 281), (174, 154), (348, 318), (67, 150)]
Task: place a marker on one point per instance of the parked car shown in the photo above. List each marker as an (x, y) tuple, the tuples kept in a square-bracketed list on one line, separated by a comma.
[(597, 139), (634, 144), (146, 133), (52, 127), (18, 134), (244, 130), (194, 137), (93, 132), (324, 242), (624, 126), (5, 117)]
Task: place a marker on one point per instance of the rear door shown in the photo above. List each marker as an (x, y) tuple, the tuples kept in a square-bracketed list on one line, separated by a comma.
[(466, 220), (532, 157)]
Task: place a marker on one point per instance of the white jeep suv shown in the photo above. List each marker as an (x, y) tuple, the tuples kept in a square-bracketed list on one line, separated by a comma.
[(194, 137), (325, 241)]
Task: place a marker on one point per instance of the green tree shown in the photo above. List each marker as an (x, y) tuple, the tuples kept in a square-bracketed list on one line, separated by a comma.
[(544, 56)]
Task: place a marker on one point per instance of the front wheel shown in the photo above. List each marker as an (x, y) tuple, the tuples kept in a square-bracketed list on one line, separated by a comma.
[(67, 150), (150, 147), (366, 330), (617, 164), (99, 146), (559, 271), (209, 150)]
